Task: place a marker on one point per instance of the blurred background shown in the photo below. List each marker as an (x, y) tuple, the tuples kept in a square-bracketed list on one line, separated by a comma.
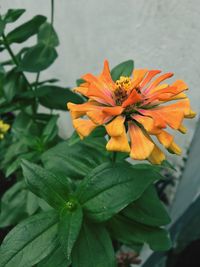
[(155, 34)]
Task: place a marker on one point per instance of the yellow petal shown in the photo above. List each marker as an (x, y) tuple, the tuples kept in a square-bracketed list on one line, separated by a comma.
[(83, 127), (141, 145), (157, 156), (165, 138), (118, 143), (116, 126), (190, 115), (175, 149), (182, 129)]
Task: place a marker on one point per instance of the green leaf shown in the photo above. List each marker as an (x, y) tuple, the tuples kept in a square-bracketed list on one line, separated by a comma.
[(26, 30), (93, 248), (32, 156), (55, 259), (79, 82), (13, 205), (55, 97), (129, 231), (109, 188), (123, 69), (148, 209), (46, 185), (2, 26), (38, 58), (13, 14), (50, 130), (13, 84), (47, 35), (69, 228), (30, 241), (76, 161)]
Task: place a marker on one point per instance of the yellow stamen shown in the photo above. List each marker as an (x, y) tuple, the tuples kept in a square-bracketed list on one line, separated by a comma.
[(4, 127), (124, 83)]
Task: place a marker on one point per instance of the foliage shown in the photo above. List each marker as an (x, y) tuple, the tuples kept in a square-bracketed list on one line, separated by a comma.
[(72, 198)]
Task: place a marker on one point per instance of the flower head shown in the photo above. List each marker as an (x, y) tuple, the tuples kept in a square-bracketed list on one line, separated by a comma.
[(133, 108), (4, 127)]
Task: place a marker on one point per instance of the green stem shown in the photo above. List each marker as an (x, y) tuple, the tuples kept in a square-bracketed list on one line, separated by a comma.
[(36, 98), (12, 55), (52, 12), (114, 157)]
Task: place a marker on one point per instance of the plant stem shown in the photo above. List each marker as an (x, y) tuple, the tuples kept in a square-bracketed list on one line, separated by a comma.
[(52, 12), (114, 157), (12, 55)]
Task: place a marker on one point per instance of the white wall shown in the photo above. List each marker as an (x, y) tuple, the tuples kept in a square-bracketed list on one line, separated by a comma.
[(155, 33)]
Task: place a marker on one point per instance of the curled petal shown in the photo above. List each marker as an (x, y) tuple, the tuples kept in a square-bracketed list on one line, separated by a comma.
[(149, 77), (113, 111), (116, 126), (182, 129), (165, 138), (98, 116), (138, 76), (133, 98), (83, 127), (141, 144), (157, 156), (158, 81), (118, 143), (174, 149)]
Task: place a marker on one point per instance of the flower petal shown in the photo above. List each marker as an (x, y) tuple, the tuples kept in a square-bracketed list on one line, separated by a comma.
[(158, 81), (138, 76), (174, 149), (133, 98), (157, 156), (83, 127), (116, 126), (165, 138), (149, 77), (141, 145), (118, 143)]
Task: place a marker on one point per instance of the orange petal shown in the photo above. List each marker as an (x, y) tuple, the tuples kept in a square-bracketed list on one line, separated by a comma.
[(106, 76), (133, 98), (83, 127), (157, 156), (158, 81), (98, 116), (138, 76), (82, 90), (141, 145), (116, 126), (159, 122), (118, 143), (149, 77), (79, 110), (113, 111), (146, 122), (174, 149), (165, 138)]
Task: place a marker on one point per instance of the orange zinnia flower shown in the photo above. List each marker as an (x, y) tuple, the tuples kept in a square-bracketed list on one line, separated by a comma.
[(132, 106)]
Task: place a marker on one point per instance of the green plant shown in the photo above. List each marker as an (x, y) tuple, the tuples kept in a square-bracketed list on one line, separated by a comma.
[(72, 199)]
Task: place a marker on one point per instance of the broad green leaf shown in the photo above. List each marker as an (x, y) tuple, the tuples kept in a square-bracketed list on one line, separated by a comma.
[(55, 97), (76, 161), (32, 203), (69, 228), (79, 82), (26, 30), (129, 231), (38, 58), (30, 241), (13, 84), (55, 259), (13, 14), (123, 69), (93, 248), (148, 209), (109, 188), (13, 205), (15, 165), (54, 189), (47, 35)]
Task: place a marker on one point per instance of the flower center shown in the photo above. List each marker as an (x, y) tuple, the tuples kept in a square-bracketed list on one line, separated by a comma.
[(123, 85)]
